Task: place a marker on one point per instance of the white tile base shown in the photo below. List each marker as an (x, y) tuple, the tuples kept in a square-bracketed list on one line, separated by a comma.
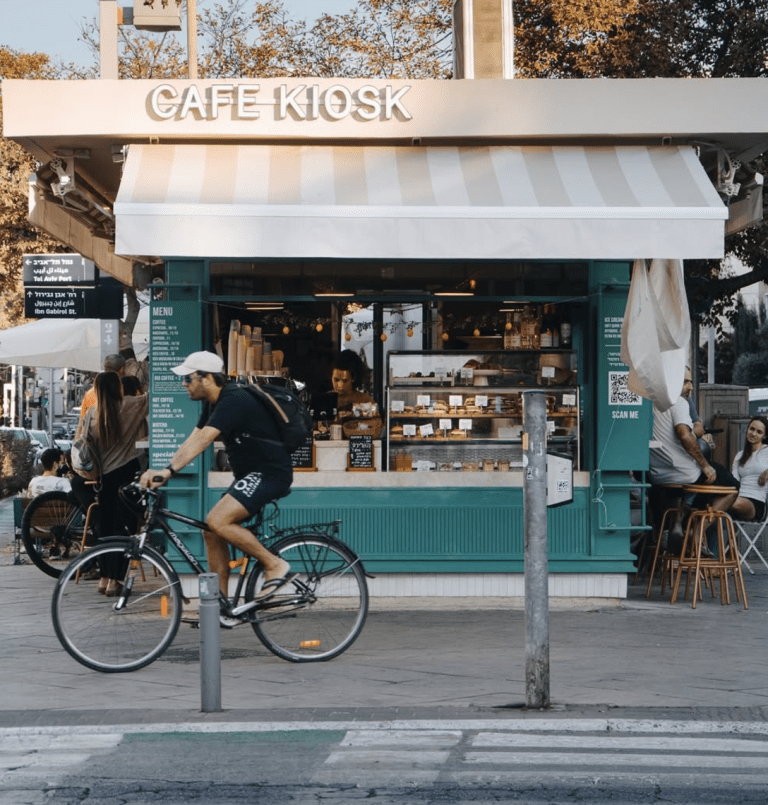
[(481, 585), (476, 585)]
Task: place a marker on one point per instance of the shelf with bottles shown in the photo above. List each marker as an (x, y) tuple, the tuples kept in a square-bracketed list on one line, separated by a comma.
[(534, 327)]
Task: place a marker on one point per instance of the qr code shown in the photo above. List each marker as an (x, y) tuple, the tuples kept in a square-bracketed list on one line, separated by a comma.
[(618, 393)]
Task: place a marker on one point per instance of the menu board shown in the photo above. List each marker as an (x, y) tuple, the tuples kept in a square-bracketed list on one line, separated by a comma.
[(174, 333), (303, 458), (360, 453)]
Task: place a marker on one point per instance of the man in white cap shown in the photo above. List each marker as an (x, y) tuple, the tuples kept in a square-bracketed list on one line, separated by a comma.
[(261, 466)]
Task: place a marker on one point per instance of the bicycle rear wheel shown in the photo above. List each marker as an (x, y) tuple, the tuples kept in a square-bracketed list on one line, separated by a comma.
[(52, 531), (105, 636), (322, 611)]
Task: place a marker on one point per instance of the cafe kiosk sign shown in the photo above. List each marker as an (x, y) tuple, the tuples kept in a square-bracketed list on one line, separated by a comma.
[(303, 102)]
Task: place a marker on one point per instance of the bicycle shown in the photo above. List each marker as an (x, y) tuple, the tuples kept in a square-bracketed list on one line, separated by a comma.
[(52, 529), (320, 616)]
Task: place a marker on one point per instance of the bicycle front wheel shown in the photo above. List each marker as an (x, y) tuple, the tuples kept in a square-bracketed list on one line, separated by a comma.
[(52, 531), (123, 633), (321, 612)]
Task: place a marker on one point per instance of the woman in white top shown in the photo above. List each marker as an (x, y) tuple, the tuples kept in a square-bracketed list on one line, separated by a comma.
[(750, 467)]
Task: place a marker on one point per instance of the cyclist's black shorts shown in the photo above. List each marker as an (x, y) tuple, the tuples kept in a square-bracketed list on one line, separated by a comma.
[(255, 490)]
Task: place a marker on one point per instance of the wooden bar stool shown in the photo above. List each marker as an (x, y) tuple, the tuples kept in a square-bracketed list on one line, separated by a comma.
[(727, 561), (663, 557)]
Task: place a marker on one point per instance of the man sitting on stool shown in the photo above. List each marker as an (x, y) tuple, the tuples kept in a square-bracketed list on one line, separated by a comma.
[(677, 459)]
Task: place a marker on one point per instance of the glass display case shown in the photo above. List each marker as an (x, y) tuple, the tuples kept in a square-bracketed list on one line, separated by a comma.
[(462, 412)]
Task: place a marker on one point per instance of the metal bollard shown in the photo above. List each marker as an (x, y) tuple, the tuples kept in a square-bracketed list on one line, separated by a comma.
[(210, 644)]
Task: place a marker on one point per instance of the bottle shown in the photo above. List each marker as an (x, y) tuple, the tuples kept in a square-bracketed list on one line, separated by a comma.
[(565, 334), (528, 328)]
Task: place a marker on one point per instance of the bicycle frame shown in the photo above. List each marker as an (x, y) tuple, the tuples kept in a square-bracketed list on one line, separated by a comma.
[(158, 517)]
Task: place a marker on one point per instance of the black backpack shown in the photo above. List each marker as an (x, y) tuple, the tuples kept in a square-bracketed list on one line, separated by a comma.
[(291, 415)]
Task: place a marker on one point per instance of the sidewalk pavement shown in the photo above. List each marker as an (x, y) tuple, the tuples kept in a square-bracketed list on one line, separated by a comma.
[(435, 659)]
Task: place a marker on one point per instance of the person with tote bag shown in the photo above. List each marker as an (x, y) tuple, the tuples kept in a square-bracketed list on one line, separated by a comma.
[(114, 427)]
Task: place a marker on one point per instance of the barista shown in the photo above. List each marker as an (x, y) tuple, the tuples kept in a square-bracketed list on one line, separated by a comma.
[(347, 375)]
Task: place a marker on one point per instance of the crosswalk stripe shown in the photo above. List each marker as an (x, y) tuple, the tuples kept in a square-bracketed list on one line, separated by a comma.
[(562, 759), (431, 738), (620, 742)]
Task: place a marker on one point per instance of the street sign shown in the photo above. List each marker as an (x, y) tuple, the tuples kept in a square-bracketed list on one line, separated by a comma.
[(73, 303), (57, 269)]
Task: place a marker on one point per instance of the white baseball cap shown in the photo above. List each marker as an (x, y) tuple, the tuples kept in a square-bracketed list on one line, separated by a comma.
[(200, 362)]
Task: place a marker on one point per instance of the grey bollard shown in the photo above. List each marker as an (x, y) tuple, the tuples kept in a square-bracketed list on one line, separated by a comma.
[(210, 644)]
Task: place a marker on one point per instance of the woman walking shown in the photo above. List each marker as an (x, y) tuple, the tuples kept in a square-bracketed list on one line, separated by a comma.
[(114, 427)]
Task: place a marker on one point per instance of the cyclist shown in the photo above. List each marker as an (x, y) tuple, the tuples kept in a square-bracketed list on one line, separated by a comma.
[(261, 466)]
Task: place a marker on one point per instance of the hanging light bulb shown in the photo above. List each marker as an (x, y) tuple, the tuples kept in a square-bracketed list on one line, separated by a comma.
[(383, 336), (347, 336), (319, 328), (476, 332), (445, 336), (286, 330), (473, 284), (409, 332)]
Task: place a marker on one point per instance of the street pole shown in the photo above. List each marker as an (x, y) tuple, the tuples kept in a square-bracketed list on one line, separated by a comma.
[(536, 570), (192, 39), (210, 644)]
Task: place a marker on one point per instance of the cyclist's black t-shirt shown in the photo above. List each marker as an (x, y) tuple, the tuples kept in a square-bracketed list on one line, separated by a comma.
[(236, 414)]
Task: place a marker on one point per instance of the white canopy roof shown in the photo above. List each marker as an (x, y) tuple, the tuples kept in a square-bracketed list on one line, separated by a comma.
[(438, 202), (69, 343)]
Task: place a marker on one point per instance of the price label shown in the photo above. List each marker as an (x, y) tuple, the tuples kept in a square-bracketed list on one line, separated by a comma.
[(467, 374), (423, 465), (423, 400), (465, 424), (426, 430), (409, 430), (550, 426), (446, 424), (547, 371), (397, 406), (455, 400), (569, 399), (481, 400)]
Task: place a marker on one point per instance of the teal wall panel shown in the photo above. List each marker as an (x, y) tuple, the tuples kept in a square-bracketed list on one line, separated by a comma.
[(452, 530)]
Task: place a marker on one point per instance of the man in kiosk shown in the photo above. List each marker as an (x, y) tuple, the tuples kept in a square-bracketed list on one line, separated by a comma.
[(261, 466)]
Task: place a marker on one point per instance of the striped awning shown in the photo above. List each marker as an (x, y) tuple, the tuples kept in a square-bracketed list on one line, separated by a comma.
[(441, 202)]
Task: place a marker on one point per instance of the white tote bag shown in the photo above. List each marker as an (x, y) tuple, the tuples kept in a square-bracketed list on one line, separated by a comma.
[(656, 331)]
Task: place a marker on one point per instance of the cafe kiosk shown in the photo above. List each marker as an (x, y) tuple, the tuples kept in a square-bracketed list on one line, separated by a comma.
[(526, 197)]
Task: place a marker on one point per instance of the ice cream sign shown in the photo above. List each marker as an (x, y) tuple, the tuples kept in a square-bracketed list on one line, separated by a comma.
[(302, 102)]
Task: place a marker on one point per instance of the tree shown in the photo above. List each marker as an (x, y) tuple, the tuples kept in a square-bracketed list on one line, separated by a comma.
[(17, 237), (237, 38)]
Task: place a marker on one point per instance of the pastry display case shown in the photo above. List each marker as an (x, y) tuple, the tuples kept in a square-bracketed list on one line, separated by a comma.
[(463, 412)]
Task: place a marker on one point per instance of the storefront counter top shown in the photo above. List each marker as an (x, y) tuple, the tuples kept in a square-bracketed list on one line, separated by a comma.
[(399, 480)]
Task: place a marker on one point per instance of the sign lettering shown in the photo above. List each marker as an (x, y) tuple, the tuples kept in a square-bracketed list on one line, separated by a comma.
[(302, 102)]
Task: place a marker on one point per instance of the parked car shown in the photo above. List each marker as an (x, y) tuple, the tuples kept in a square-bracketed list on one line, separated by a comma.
[(44, 442), (22, 434)]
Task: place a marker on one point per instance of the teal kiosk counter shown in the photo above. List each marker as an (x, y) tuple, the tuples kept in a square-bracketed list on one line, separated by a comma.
[(434, 505)]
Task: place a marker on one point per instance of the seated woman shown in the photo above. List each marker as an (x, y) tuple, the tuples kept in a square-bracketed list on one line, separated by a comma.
[(750, 467)]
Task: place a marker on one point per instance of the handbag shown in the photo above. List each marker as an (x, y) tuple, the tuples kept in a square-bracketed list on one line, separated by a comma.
[(85, 461)]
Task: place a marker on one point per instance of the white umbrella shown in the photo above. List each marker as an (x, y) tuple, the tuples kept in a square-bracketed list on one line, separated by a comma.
[(68, 343)]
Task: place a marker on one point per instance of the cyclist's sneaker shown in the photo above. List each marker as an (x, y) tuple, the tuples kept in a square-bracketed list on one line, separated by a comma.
[(229, 621)]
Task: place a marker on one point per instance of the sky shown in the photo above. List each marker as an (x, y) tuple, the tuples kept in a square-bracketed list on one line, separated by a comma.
[(53, 26)]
